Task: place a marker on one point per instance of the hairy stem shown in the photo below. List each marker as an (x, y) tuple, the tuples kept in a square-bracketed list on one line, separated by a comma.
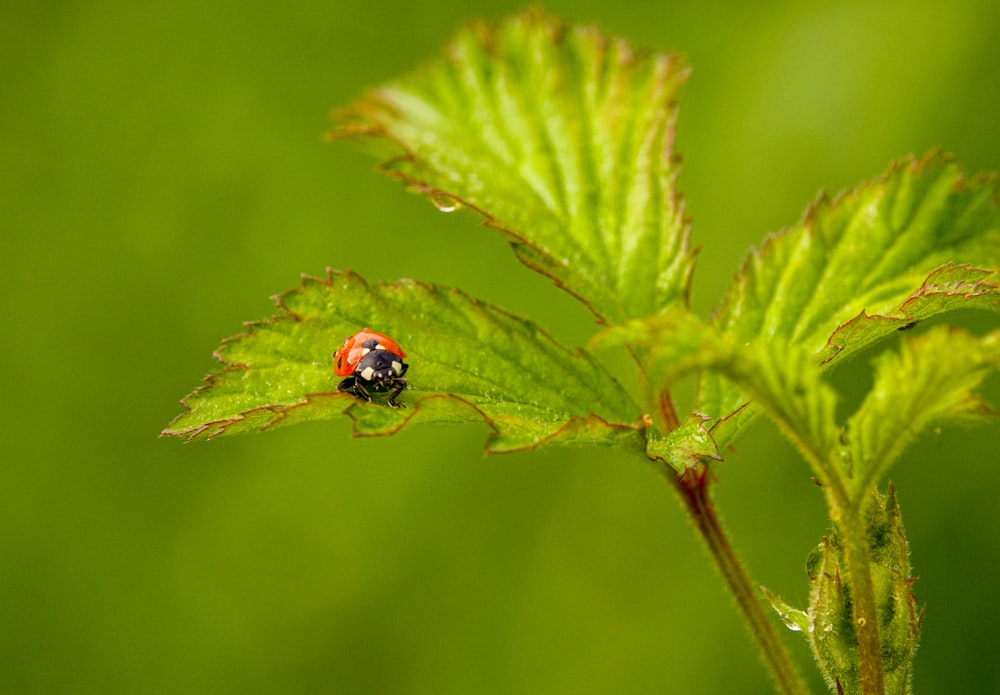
[(693, 489), (855, 538), (848, 513)]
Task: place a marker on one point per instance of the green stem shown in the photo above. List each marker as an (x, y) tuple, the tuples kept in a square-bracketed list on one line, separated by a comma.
[(850, 521), (848, 515), (693, 489)]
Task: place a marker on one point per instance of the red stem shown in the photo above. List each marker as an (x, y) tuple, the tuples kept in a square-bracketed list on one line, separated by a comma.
[(693, 490)]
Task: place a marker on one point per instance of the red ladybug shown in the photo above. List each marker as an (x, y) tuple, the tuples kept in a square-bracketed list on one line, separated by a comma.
[(354, 348), (371, 362)]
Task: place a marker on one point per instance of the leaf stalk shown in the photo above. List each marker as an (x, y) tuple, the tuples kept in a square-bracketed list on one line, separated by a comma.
[(668, 413)]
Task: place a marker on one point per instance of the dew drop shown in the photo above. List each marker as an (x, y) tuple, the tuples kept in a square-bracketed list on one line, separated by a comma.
[(445, 203)]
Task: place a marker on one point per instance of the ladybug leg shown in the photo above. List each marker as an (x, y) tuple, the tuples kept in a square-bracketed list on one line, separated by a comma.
[(400, 384), (361, 392), (353, 386)]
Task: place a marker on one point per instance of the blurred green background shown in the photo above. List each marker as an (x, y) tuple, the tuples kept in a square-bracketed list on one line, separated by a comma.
[(163, 173)]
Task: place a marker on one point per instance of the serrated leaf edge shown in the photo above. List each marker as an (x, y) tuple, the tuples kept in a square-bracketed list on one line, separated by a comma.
[(279, 410), (217, 427), (966, 291), (354, 130), (824, 202), (439, 196)]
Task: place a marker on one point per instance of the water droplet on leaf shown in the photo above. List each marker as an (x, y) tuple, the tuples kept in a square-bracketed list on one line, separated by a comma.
[(445, 203)]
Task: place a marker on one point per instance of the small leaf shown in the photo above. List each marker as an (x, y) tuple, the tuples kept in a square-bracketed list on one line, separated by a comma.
[(931, 380), (684, 447), (561, 138), (794, 619), (871, 251), (469, 362)]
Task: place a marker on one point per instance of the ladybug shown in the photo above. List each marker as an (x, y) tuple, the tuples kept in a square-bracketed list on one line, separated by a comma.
[(371, 362)]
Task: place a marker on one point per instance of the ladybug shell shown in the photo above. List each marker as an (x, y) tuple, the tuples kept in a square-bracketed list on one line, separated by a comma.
[(355, 348)]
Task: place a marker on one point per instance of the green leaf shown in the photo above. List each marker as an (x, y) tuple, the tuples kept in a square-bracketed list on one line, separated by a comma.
[(469, 362), (894, 247), (683, 448), (783, 379), (949, 288), (930, 381), (561, 138)]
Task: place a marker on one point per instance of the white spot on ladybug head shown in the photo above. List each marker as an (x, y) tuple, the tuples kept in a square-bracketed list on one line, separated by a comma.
[(397, 366), (367, 373), (380, 346), (364, 351)]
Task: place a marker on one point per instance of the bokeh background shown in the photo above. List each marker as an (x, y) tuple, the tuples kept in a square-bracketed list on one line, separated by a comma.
[(162, 173)]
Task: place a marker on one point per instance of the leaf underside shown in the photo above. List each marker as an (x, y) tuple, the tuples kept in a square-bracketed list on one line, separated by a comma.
[(930, 381), (561, 138), (917, 242), (469, 362)]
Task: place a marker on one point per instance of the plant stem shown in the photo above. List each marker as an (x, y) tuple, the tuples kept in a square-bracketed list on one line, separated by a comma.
[(693, 489), (847, 512), (855, 539)]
